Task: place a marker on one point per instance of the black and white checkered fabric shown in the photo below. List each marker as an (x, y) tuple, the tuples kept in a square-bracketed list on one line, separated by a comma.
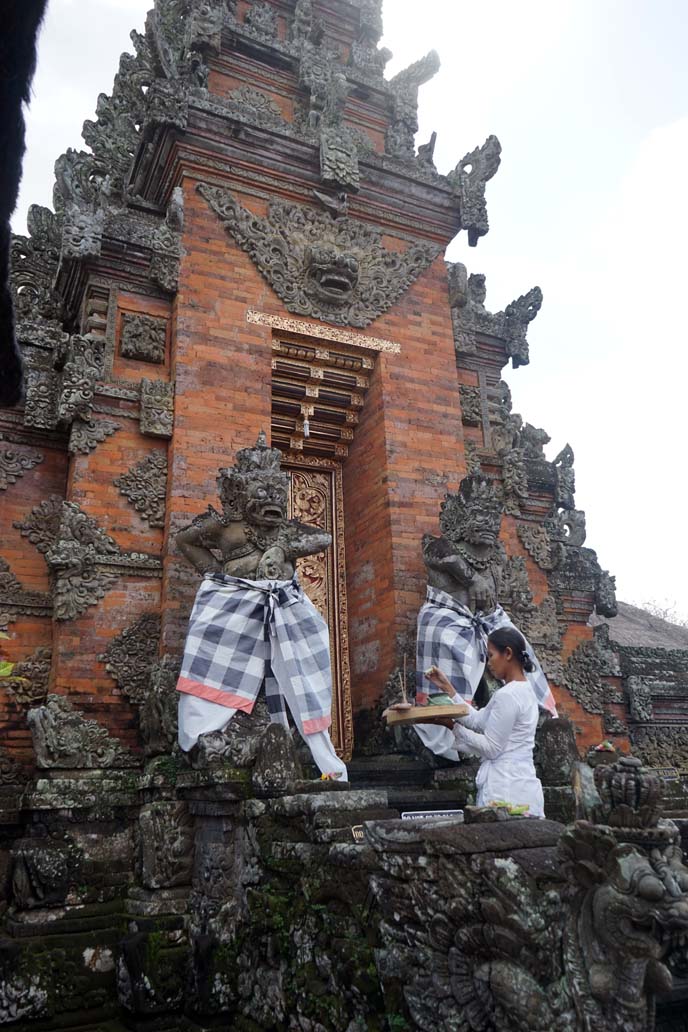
[(453, 639), (239, 629)]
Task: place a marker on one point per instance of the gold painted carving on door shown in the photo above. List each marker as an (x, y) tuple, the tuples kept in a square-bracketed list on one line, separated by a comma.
[(316, 497)]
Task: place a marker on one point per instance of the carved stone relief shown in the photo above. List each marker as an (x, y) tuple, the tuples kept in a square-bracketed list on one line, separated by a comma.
[(335, 270), (585, 668), (661, 746), (145, 485), (72, 559), (11, 772), (640, 698), (167, 245), (250, 105), (86, 436), (130, 657), (28, 684), (143, 338), (157, 408), (158, 713), (43, 871), (16, 600), (42, 524), (14, 464), (82, 369), (538, 543), (166, 844), (63, 738), (261, 21), (471, 406)]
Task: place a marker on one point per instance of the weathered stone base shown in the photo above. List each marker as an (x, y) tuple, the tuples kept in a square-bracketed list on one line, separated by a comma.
[(178, 900)]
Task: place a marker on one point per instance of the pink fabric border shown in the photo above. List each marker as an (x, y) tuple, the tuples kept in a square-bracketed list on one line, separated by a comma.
[(202, 691), (238, 702), (311, 727)]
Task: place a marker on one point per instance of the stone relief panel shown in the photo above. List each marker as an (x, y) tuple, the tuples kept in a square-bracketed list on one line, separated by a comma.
[(471, 406), (130, 657), (63, 738), (16, 600), (166, 845), (145, 486), (85, 437), (81, 557), (28, 684), (143, 338), (335, 270), (157, 408), (15, 463), (585, 668)]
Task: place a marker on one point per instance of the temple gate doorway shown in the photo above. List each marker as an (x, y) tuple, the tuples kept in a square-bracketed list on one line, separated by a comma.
[(318, 390)]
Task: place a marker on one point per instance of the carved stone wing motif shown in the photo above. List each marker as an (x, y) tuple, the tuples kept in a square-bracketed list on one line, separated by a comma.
[(337, 271)]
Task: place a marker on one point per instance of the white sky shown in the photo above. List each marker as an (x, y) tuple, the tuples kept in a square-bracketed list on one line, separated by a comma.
[(590, 101)]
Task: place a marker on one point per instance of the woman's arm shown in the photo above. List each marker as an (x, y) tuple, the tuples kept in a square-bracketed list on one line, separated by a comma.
[(500, 717)]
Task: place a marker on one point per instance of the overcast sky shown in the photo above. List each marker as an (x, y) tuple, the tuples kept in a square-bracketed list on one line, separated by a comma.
[(590, 101)]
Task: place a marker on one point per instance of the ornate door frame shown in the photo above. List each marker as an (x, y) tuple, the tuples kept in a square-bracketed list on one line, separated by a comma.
[(316, 497)]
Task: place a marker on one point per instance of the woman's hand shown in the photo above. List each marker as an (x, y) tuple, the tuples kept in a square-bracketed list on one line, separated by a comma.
[(436, 677), (439, 722)]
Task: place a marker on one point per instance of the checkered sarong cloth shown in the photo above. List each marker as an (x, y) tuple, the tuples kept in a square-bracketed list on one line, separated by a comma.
[(235, 630), (455, 640)]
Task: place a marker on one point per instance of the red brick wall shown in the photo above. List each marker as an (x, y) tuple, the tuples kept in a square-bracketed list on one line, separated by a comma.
[(26, 634), (223, 371)]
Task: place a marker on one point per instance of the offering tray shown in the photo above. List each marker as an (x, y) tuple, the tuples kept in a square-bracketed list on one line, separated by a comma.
[(424, 714)]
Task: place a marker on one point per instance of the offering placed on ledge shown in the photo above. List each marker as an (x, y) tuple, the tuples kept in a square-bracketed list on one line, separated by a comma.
[(515, 810)]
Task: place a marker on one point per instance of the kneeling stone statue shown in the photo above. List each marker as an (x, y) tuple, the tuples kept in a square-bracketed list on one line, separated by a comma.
[(252, 624), (464, 570)]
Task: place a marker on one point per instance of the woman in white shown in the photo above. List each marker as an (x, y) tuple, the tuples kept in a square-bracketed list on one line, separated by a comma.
[(503, 733)]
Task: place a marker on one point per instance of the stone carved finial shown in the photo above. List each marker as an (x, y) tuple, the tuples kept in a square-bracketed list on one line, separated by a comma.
[(34, 261), (334, 270), (253, 534), (469, 180), (470, 317), (630, 796), (63, 738), (403, 88), (518, 316)]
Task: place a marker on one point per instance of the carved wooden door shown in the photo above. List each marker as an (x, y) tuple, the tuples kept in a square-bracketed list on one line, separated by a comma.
[(316, 497)]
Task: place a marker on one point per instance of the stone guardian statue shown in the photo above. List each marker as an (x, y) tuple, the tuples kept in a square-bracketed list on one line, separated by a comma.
[(252, 626)]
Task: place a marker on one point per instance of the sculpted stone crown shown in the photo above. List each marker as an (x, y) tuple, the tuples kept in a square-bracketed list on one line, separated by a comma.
[(255, 467), (259, 458), (477, 502)]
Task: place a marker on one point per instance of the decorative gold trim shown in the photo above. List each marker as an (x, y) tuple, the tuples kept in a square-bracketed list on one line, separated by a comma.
[(342, 710), (322, 332)]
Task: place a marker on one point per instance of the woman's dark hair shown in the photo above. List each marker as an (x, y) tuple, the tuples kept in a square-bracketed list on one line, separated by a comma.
[(509, 638)]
